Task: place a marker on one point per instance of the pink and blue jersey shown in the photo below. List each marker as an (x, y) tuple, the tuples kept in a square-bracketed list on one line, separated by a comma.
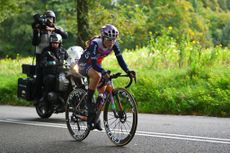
[(96, 52)]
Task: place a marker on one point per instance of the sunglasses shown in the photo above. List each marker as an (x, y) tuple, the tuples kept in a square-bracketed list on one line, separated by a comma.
[(110, 39), (55, 42)]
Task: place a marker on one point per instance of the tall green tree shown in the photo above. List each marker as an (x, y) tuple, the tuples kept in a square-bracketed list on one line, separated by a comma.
[(82, 22)]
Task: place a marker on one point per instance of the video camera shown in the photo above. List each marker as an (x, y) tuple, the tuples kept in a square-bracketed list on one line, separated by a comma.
[(41, 20)]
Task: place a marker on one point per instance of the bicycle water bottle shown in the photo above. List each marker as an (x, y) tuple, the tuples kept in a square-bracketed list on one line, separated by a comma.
[(100, 101)]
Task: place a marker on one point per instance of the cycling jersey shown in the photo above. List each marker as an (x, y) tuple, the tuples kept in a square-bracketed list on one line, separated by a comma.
[(96, 52)]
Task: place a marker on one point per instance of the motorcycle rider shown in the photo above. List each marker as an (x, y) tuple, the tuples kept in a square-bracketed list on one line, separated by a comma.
[(90, 66), (43, 26), (52, 58)]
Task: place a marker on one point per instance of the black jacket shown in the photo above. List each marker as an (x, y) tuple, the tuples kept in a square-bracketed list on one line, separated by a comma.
[(51, 56), (52, 60)]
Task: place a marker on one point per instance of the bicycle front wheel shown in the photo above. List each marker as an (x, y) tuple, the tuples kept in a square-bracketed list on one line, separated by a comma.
[(120, 119), (76, 114)]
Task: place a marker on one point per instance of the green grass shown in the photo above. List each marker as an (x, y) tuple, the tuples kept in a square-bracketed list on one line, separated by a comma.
[(10, 71)]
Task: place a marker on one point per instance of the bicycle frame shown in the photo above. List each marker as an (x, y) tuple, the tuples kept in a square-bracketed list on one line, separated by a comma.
[(108, 93)]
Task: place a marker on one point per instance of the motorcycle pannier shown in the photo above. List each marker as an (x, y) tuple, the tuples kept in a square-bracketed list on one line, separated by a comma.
[(28, 69), (25, 88)]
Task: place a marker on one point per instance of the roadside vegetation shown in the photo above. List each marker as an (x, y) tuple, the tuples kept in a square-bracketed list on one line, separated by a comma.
[(172, 78)]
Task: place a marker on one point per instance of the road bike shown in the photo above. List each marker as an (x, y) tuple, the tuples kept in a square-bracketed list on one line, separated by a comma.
[(120, 115)]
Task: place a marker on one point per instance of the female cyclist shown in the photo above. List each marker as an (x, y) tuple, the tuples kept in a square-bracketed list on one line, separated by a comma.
[(90, 66)]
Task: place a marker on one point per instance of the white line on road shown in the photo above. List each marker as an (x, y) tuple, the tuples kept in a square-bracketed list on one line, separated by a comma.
[(140, 133)]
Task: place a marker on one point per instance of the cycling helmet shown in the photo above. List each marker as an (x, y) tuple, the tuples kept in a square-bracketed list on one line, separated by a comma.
[(55, 38), (109, 31), (50, 13)]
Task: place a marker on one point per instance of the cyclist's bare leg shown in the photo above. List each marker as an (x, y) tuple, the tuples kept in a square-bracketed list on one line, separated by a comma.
[(94, 77)]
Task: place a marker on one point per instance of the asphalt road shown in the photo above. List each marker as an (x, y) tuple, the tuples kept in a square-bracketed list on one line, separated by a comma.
[(22, 131)]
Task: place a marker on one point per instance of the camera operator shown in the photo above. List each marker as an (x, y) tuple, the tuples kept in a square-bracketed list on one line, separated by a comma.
[(43, 26), (52, 59)]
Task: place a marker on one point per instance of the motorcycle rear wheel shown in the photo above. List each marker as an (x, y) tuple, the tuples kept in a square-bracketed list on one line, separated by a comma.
[(43, 110)]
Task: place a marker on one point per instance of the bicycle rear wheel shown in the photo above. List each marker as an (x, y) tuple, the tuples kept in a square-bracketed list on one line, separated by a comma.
[(120, 125), (76, 112)]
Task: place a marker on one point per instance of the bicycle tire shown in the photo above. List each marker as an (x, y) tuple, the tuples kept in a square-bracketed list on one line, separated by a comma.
[(122, 129), (77, 127)]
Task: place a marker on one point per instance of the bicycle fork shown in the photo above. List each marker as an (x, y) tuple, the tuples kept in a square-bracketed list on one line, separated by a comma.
[(120, 107)]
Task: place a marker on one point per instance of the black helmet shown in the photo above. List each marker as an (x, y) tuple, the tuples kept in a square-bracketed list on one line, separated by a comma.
[(54, 37), (50, 13)]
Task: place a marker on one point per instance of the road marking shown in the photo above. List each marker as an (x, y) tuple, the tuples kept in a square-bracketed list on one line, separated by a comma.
[(196, 138), (139, 133), (35, 123)]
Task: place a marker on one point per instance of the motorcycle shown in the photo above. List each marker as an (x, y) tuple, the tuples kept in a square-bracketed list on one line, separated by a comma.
[(67, 80)]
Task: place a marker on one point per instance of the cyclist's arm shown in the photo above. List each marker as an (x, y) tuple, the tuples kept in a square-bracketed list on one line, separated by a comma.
[(120, 58)]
